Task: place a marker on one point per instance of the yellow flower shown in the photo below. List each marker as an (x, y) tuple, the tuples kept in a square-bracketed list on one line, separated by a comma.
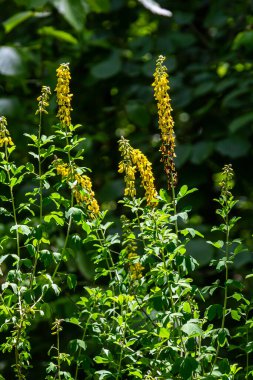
[(133, 160), (63, 94), (147, 179), (135, 268), (5, 138), (43, 100), (165, 121), (82, 191)]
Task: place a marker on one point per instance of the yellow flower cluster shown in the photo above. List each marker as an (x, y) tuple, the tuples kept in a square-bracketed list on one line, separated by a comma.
[(135, 267), (83, 190), (43, 100), (5, 138), (133, 160), (166, 123), (64, 96), (147, 179)]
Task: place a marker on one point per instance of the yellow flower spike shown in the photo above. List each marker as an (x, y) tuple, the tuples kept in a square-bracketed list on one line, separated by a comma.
[(165, 122), (63, 94), (147, 179), (83, 192), (133, 160), (43, 100), (5, 138), (126, 166)]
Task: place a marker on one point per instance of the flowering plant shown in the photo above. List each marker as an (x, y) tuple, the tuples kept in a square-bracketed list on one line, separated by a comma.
[(143, 316)]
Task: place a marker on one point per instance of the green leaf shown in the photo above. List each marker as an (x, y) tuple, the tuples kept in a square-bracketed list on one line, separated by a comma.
[(56, 217), (243, 39), (17, 19), (71, 281), (107, 68), (99, 6), (183, 152), (236, 315), (191, 329), (200, 250), (22, 229), (81, 344), (183, 190), (233, 146), (214, 311), (217, 244), (245, 120), (75, 212), (164, 195), (201, 151), (58, 34), (10, 61), (137, 114), (164, 333), (188, 365), (73, 11), (222, 336), (2, 176)]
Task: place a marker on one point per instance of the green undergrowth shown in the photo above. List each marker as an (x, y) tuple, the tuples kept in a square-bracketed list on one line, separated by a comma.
[(141, 315)]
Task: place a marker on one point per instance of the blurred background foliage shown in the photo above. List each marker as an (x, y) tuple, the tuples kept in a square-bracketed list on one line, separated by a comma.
[(112, 46)]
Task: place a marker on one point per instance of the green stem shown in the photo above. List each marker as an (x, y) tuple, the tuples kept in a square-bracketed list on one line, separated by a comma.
[(40, 199), (71, 202), (123, 341), (225, 290), (13, 203), (58, 355), (174, 201), (67, 237), (79, 350)]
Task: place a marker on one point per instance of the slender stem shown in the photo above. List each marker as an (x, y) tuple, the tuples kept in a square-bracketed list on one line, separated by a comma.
[(13, 203), (67, 236), (58, 355), (40, 198), (40, 169), (247, 354), (71, 202), (123, 340), (174, 201), (83, 336), (225, 289)]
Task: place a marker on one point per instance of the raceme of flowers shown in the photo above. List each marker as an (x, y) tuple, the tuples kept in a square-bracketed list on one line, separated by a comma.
[(5, 138), (43, 100), (165, 121), (63, 94), (226, 182), (135, 267), (82, 191), (133, 160)]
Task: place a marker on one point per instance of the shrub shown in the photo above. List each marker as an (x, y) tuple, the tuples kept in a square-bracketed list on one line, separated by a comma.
[(144, 317)]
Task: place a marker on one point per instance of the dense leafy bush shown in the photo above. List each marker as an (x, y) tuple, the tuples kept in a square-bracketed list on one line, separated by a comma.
[(143, 316)]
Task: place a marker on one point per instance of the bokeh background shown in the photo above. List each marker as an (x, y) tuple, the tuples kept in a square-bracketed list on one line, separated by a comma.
[(112, 47)]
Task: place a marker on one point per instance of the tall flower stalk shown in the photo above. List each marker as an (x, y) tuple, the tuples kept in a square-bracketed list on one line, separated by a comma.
[(6, 142), (166, 126), (42, 105), (227, 202)]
